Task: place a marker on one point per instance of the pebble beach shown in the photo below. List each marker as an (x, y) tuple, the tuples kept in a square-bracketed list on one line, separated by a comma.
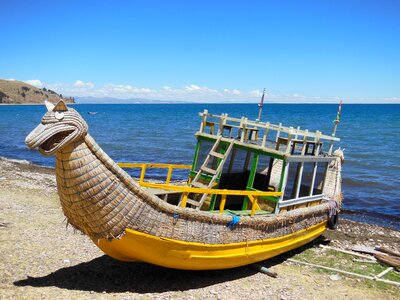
[(42, 258)]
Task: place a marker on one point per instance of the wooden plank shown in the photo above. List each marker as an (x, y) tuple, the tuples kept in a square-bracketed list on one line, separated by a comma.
[(389, 260), (388, 251), (192, 202), (348, 252), (208, 170), (199, 185), (365, 249), (216, 154)]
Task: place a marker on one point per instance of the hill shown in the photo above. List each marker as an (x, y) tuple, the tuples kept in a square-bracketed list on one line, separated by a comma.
[(18, 92)]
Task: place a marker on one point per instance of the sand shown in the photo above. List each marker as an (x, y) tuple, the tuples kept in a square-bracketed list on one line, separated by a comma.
[(42, 259)]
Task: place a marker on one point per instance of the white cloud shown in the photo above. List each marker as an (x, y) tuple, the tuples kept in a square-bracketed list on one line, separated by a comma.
[(392, 100), (122, 89), (232, 92), (256, 93), (35, 82), (193, 93), (81, 84)]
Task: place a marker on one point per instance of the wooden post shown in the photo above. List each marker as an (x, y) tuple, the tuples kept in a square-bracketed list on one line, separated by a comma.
[(289, 141), (232, 161), (253, 205), (278, 132), (299, 174), (184, 198), (243, 128), (204, 120), (222, 122), (141, 179), (169, 175), (252, 176), (282, 184), (196, 155), (264, 140), (314, 173), (222, 204), (297, 133)]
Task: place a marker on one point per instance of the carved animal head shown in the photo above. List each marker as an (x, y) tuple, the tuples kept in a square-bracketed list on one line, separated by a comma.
[(60, 126)]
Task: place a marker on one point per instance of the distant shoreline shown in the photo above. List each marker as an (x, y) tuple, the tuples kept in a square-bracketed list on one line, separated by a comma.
[(199, 103)]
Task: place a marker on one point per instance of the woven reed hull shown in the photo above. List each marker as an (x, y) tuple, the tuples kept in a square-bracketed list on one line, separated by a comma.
[(128, 223), (137, 246)]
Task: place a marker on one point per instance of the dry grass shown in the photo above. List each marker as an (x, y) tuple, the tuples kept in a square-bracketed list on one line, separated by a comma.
[(18, 92)]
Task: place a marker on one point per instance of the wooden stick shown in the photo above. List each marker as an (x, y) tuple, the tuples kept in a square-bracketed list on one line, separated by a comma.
[(366, 261), (381, 274), (345, 272), (349, 252)]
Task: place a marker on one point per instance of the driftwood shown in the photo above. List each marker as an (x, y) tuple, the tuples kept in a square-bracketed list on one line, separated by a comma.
[(347, 273), (388, 251), (389, 260), (365, 249)]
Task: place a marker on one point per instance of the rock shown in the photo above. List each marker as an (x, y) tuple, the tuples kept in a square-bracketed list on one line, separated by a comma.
[(335, 277)]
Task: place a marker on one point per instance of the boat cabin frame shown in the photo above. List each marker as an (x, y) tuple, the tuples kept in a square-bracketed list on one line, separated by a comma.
[(240, 163)]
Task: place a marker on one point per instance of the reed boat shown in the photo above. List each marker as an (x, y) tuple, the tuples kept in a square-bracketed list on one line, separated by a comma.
[(254, 190)]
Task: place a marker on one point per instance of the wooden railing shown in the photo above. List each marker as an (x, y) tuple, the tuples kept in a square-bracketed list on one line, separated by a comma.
[(145, 166), (186, 190), (246, 130)]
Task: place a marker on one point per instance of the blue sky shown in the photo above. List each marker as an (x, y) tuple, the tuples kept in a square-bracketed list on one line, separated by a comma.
[(300, 51)]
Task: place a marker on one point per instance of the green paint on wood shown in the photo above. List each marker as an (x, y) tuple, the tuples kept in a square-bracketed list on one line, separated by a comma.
[(196, 155), (252, 176), (282, 176)]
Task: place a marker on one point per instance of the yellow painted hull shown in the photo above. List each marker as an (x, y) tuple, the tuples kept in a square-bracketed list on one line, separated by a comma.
[(165, 252)]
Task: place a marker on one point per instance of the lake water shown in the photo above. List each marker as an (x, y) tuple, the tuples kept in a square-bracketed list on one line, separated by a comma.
[(164, 133)]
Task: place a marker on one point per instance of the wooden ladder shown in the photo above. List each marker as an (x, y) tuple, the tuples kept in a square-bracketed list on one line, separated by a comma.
[(204, 169)]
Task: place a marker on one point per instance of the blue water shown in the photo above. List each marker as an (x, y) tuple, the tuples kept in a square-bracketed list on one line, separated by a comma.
[(165, 134)]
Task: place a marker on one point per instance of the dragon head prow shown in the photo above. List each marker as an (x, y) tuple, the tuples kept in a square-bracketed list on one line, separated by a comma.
[(60, 126)]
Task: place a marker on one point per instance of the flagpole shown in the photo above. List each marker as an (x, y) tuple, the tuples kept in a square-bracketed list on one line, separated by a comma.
[(336, 121), (260, 105)]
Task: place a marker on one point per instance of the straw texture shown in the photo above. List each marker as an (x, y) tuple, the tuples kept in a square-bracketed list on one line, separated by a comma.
[(101, 200)]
